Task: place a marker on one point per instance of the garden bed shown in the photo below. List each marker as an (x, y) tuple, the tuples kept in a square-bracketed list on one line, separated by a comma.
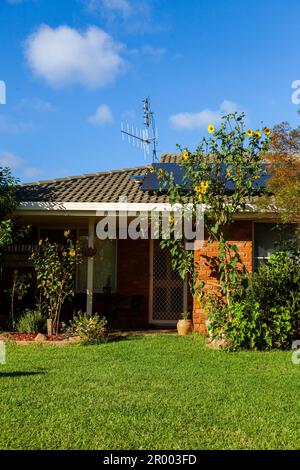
[(25, 338)]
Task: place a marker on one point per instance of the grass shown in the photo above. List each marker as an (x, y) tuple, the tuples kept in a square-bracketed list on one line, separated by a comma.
[(152, 392)]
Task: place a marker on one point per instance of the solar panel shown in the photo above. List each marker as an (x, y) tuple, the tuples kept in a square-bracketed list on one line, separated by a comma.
[(152, 183)]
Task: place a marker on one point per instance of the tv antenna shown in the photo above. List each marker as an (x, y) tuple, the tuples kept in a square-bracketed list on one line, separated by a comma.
[(143, 138)]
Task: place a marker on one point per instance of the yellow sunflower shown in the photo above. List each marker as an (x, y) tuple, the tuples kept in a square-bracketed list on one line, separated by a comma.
[(185, 155), (200, 198), (40, 242), (64, 253), (210, 128), (66, 233), (72, 253), (267, 131), (151, 169), (198, 189), (160, 173), (257, 134), (249, 132)]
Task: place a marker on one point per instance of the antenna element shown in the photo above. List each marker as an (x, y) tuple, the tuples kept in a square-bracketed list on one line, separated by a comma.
[(143, 137)]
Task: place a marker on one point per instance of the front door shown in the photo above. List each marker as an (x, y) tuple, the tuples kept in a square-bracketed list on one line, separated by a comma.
[(168, 297)]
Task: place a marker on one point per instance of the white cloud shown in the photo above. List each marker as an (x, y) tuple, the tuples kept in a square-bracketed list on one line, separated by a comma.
[(8, 126), (118, 6), (64, 56), (103, 115), (9, 159), (18, 164), (156, 52), (201, 119), (32, 172), (135, 16), (36, 104)]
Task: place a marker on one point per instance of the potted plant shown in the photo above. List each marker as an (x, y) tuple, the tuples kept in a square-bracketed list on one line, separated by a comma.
[(184, 325)]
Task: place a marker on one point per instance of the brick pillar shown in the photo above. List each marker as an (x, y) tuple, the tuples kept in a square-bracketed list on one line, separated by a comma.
[(240, 234)]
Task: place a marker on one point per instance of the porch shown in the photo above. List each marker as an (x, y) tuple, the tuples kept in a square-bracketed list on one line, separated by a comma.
[(130, 282)]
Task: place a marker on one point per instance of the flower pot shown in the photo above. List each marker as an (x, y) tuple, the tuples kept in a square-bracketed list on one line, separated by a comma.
[(184, 327)]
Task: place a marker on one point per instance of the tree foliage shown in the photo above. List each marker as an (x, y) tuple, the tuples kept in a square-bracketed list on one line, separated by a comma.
[(55, 267), (8, 203), (284, 164)]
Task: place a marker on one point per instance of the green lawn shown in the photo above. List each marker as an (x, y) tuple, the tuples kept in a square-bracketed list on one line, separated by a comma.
[(153, 392)]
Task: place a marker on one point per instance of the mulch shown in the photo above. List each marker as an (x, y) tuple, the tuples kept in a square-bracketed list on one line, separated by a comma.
[(25, 337)]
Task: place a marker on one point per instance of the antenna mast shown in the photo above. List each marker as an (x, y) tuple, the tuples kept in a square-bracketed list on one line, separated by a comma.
[(144, 137)]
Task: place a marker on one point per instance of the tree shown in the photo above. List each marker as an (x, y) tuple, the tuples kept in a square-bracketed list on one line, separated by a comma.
[(9, 233), (55, 267), (283, 159), (8, 203), (222, 174)]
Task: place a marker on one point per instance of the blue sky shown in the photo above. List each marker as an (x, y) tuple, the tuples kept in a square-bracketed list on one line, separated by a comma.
[(75, 69)]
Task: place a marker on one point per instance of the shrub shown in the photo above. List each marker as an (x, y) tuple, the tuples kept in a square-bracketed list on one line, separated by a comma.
[(241, 325), (266, 310), (91, 329), (276, 284), (32, 321)]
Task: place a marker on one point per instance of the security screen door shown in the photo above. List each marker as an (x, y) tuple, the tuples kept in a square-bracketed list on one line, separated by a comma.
[(169, 291)]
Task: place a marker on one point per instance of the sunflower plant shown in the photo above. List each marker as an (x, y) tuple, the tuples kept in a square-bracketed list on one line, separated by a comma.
[(221, 175), (55, 267)]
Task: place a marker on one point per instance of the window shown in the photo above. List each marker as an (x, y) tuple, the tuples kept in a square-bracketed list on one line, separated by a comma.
[(104, 265), (266, 239)]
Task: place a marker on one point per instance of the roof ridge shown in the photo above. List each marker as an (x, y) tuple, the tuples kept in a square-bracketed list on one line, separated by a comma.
[(83, 175)]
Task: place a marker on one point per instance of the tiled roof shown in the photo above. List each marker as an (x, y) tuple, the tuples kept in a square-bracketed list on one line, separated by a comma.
[(106, 186), (169, 158)]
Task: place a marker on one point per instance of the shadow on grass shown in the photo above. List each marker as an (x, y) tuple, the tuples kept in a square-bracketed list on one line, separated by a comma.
[(20, 374), (116, 337), (111, 338)]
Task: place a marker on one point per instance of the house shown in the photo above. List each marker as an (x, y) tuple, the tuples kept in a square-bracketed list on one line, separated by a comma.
[(128, 280)]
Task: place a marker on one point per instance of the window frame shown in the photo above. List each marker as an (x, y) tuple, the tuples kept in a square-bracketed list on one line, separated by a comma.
[(257, 260)]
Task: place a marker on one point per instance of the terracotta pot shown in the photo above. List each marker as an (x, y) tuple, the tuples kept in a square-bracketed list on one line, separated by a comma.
[(184, 327)]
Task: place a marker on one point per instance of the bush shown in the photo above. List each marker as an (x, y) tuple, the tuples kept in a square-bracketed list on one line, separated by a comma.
[(91, 329), (276, 284), (32, 321), (266, 310)]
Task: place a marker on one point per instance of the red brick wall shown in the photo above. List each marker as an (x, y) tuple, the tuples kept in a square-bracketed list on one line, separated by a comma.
[(240, 234), (133, 273)]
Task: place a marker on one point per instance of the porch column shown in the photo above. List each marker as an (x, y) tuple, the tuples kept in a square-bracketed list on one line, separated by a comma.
[(90, 269)]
